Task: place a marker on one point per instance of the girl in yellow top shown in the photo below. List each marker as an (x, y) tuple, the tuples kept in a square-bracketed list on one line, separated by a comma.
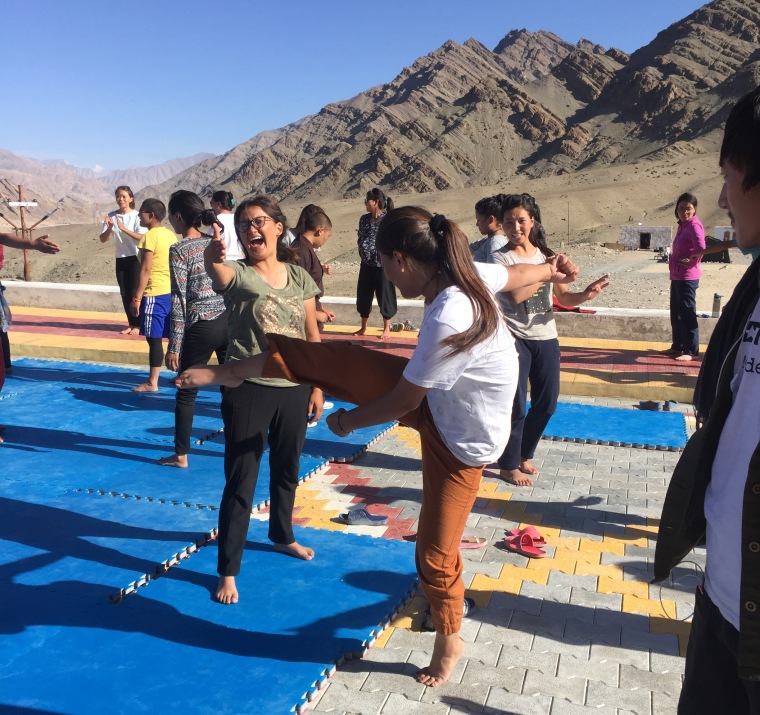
[(152, 300)]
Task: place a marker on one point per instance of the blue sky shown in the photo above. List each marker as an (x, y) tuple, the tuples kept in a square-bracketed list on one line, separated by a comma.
[(134, 84)]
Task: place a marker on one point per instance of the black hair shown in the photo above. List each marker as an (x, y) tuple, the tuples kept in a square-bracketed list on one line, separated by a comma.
[(741, 139), (536, 210), (306, 211), (156, 207), (225, 198), (316, 220), (384, 203), (490, 206), (440, 243), (527, 202), (688, 198), (190, 207), (129, 193), (271, 208)]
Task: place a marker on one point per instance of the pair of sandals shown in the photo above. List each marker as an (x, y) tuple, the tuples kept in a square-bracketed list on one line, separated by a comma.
[(526, 542)]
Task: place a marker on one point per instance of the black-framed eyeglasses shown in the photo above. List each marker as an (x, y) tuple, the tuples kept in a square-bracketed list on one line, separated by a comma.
[(257, 222)]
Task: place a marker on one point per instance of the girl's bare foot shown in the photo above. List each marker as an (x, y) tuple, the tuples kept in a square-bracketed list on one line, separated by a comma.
[(361, 331), (145, 387), (516, 477), (446, 654), (385, 335), (175, 460), (527, 467), (126, 331), (226, 590), (208, 375), (685, 357), (295, 549)]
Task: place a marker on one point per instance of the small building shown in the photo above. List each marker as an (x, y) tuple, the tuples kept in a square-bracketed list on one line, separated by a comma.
[(646, 238)]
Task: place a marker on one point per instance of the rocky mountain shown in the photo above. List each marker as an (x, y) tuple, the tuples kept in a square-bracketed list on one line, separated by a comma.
[(137, 177), (464, 115), (77, 191)]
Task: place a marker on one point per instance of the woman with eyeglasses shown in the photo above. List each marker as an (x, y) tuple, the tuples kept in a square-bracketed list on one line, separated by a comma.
[(372, 281), (198, 317), (223, 205), (264, 294)]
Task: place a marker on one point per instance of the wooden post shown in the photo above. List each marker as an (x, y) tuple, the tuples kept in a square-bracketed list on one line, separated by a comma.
[(22, 213)]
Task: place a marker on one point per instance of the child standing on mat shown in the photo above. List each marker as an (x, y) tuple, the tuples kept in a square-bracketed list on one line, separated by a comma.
[(264, 294), (152, 301), (456, 389), (198, 318), (315, 229)]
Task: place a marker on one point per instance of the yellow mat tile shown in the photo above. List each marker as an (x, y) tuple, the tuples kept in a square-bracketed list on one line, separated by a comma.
[(617, 585), (606, 546), (634, 604)]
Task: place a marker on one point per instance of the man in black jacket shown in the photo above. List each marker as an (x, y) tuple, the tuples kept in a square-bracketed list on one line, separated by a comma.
[(714, 494)]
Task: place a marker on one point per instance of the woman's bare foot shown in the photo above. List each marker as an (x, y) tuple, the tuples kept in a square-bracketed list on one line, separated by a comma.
[(126, 331), (516, 477), (295, 549), (446, 654), (145, 387), (361, 331), (685, 357), (385, 335), (209, 375), (226, 590), (175, 460), (527, 467)]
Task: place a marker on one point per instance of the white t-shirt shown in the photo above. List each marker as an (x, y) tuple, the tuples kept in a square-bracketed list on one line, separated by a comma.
[(725, 492), (470, 394), (231, 243), (533, 319), (125, 245)]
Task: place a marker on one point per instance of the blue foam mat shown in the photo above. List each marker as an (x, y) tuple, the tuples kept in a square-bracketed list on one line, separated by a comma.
[(617, 425), (171, 648)]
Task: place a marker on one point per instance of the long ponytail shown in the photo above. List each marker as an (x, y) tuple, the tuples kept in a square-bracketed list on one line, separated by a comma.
[(436, 241)]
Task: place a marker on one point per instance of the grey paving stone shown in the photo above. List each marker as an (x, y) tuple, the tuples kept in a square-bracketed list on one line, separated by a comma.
[(661, 663), (601, 653), (380, 655), (502, 702), (399, 705), (577, 632), (579, 648), (586, 597), (665, 703), (510, 677), (655, 642), (562, 612), (512, 602), (587, 583), (403, 683), (515, 637), (460, 698), (558, 594), (542, 661), (537, 624), (563, 707), (485, 652), (632, 678), (572, 667), (637, 701), (339, 698), (571, 689)]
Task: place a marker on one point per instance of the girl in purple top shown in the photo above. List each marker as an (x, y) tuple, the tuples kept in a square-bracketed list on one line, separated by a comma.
[(684, 279)]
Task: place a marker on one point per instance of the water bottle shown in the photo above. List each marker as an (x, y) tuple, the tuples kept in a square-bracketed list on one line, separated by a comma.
[(716, 305)]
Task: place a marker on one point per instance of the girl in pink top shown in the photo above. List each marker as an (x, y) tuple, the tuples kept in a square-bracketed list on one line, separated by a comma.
[(685, 272)]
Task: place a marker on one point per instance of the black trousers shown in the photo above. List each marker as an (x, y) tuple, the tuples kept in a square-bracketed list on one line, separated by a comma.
[(254, 416), (683, 316), (372, 282), (127, 273), (6, 350), (201, 341), (711, 682), (539, 364)]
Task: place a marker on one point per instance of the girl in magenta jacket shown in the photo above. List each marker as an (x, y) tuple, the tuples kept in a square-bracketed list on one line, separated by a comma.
[(685, 272)]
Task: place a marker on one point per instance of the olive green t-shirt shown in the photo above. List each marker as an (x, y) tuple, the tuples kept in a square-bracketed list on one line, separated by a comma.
[(254, 309)]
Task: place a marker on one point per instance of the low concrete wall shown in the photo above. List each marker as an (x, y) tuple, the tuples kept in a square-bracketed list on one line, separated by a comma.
[(605, 323)]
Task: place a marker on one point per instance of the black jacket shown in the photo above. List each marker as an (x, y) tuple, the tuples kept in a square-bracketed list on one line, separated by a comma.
[(683, 525)]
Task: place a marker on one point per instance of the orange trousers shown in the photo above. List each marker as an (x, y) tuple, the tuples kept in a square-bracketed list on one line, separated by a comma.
[(355, 374)]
